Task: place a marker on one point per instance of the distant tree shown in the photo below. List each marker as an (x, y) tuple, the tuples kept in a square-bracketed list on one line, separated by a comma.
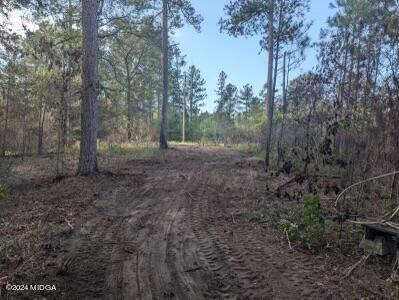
[(306, 93), (280, 23), (227, 103), (176, 10), (132, 61), (195, 91), (176, 80), (247, 99), (230, 101), (220, 91)]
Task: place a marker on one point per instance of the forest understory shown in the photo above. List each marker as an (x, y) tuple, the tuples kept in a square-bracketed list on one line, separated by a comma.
[(193, 222)]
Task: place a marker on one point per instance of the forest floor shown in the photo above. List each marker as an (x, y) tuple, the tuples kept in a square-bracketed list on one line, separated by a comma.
[(171, 225)]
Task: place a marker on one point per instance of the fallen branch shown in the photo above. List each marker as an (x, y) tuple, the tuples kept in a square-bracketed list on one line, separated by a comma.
[(291, 181), (360, 262), (191, 196), (361, 182), (377, 222), (68, 223), (288, 238), (193, 269)]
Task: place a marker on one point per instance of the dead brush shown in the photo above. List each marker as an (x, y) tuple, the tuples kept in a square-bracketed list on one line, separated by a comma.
[(5, 171)]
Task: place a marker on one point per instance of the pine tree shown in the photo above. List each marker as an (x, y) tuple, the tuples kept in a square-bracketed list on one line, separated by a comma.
[(220, 91), (172, 12), (195, 91), (88, 142), (246, 98), (280, 23)]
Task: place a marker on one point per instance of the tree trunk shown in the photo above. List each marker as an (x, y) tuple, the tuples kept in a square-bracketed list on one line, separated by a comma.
[(6, 96), (279, 147), (191, 100), (64, 116), (158, 105), (88, 142), (280, 22), (129, 102), (163, 138), (184, 112), (42, 115), (24, 124), (395, 138), (269, 86), (395, 182)]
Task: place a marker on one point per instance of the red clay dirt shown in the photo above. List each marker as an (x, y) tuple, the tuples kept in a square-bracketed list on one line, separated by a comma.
[(165, 229)]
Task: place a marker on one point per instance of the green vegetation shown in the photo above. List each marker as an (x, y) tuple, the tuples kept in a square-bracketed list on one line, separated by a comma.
[(308, 227)]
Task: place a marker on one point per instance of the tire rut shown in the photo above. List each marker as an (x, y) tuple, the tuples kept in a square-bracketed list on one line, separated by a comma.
[(171, 237)]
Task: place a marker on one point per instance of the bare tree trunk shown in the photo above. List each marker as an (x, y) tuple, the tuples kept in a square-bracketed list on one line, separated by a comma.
[(88, 142), (184, 113), (395, 182), (64, 117), (60, 160), (67, 139), (395, 138), (129, 102), (279, 150), (5, 129), (24, 125), (158, 105), (277, 52), (270, 85), (190, 116), (150, 111), (42, 115), (163, 138)]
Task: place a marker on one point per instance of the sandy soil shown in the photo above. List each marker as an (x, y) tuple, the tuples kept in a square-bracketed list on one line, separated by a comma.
[(160, 229)]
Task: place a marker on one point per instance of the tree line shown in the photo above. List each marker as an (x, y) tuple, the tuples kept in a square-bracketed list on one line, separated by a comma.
[(344, 112)]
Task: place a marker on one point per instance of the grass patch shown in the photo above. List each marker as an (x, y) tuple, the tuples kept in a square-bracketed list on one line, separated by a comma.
[(255, 149), (133, 150), (268, 215), (136, 150)]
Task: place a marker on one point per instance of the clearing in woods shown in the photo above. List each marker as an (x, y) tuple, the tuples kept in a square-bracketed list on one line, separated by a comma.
[(165, 228)]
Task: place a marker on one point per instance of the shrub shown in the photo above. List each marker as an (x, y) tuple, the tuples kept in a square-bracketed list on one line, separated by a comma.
[(308, 229), (313, 221), (291, 229)]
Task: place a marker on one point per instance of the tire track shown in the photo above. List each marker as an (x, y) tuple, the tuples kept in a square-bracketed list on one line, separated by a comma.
[(172, 237)]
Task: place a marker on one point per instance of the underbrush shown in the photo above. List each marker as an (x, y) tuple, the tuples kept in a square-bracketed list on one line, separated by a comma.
[(308, 226), (255, 149), (135, 150), (268, 215), (3, 252), (2, 193)]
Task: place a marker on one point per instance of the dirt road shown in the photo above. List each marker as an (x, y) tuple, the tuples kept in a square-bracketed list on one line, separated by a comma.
[(165, 231)]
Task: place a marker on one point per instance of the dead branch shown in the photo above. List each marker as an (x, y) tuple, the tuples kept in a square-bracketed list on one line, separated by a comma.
[(68, 223), (288, 238), (361, 182), (360, 262)]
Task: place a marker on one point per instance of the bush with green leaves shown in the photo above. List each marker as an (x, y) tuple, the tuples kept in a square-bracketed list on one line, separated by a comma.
[(308, 229)]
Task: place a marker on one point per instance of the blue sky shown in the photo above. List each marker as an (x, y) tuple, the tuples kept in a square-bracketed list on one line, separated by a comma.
[(212, 51)]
